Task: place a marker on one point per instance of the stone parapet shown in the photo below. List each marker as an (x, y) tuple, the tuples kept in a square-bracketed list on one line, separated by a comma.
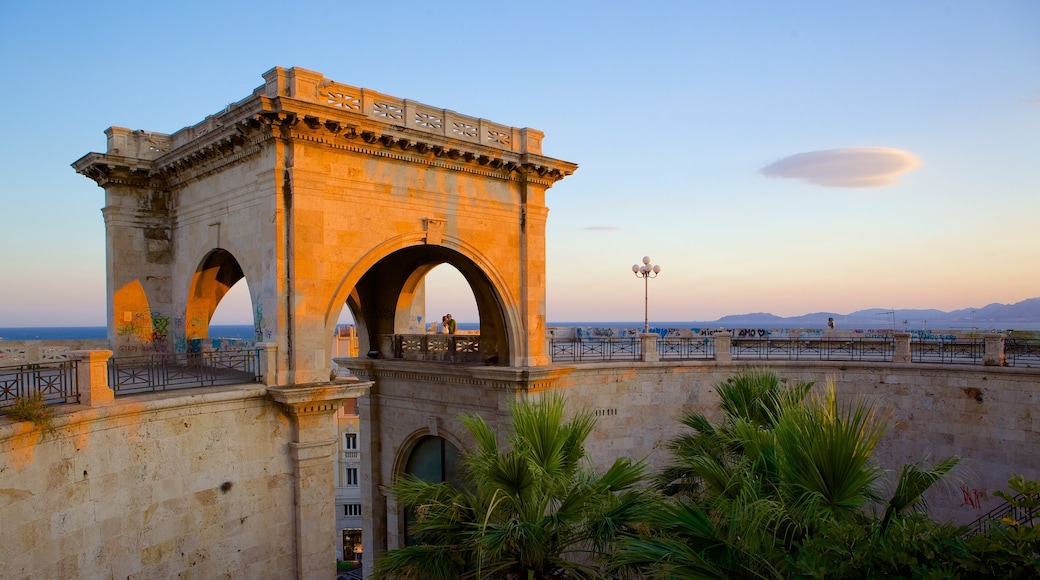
[(92, 376)]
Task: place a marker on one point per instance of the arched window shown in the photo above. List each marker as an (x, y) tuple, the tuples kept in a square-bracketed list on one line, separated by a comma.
[(433, 459)]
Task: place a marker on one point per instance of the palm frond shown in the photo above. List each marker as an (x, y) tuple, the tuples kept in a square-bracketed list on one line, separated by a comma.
[(914, 480)]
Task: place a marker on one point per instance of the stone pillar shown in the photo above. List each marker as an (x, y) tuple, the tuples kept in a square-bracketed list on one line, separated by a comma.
[(902, 347), (268, 362), (994, 354), (92, 376), (648, 347), (375, 507), (722, 347), (313, 448)]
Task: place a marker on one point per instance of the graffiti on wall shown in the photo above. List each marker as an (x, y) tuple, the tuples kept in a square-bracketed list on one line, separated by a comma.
[(972, 497), (260, 330)]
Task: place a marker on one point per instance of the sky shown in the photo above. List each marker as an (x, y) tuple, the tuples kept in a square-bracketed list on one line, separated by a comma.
[(783, 157)]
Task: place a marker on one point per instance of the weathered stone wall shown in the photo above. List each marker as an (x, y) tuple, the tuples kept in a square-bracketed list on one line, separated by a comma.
[(196, 484), (987, 415)]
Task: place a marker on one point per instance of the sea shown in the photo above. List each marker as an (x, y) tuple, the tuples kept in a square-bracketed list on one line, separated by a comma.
[(246, 332)]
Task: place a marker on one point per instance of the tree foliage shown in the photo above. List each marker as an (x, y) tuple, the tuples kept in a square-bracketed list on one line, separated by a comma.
[(532, 510), (781, 470)]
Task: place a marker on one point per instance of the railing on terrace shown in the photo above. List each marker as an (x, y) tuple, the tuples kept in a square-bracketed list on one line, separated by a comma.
[(595, 349), (55, 380), (160, 372), (964, 350), (1021, 352), (948, 349), (841, 349), (686, 348)]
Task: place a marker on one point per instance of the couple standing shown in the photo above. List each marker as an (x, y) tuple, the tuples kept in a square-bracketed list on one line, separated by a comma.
[(448, 324)]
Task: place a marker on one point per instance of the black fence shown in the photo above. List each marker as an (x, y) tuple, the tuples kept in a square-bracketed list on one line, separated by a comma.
[(685, 348), (56, 381), (845, 349), (961, 351), (964, 351), (160, 372), (1021, 352), (595, 349)]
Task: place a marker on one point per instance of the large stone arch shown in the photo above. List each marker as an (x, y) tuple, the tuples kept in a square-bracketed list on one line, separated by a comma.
[(381, 294)]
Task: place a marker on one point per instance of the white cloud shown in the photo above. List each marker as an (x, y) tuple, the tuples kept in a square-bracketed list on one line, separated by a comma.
[(849, 167)]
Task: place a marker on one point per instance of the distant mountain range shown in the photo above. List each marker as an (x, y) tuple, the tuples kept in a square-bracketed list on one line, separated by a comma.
[(1021, 315)]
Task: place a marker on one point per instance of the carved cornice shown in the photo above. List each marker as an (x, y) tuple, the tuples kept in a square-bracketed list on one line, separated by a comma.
[(317, 399), (327, 114), (395, 142)]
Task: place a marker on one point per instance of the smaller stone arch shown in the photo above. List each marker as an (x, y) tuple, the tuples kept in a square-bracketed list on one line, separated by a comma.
[(216, 274)]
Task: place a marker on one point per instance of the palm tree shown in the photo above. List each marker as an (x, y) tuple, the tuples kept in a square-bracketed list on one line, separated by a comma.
[(777, 469), (535, 510)]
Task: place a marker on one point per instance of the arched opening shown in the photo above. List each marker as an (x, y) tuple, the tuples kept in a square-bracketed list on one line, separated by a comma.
[(390, 303), (433, 459), (215, 276)]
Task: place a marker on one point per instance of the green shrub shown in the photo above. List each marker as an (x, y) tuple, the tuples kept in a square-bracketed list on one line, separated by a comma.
[(34, 409)]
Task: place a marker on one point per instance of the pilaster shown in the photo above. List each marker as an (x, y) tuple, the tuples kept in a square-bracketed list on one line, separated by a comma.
[(902, 348), (723, 344), (994, 353), (648, 347), (92, 376), (311, 410)]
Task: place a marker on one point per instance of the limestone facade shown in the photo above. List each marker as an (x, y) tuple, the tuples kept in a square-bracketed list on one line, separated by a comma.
[(985, 415), (198, 484)]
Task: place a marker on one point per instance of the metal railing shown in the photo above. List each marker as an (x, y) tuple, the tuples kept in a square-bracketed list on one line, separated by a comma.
[(160, 372), (1021, 352), (1021, 515), (843, 349), (595, 349), (685, 348), (965, 350), (56, 381)]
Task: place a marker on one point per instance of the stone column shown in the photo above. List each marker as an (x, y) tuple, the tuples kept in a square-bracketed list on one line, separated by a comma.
[(311, 410), (92, 376), (375, 508), (902, 348), (994, 354), (722, 347), (648, 347)]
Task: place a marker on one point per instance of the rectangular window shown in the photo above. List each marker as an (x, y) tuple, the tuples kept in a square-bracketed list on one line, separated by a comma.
[(350, 444), (352, 509), (351, 476)]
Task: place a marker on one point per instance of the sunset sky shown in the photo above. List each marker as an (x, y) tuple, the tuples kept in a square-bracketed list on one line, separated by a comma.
[(784, 157)]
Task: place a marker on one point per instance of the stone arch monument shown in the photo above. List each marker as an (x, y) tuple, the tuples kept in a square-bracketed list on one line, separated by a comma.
[(324, 196), (318, 192)]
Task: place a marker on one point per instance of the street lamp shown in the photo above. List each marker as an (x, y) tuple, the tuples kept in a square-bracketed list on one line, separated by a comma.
[(646, 271)]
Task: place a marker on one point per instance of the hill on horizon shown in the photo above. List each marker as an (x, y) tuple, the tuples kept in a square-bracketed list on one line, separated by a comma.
[(1026, 312)]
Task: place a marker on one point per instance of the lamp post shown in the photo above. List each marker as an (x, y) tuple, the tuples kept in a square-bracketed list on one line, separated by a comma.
[(646, 271)]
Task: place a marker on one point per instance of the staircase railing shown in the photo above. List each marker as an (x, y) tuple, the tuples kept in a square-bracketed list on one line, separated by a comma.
[(1020, 515)]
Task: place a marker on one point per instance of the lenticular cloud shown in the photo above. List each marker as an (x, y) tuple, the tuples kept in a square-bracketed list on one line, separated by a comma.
[(851, 167)]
